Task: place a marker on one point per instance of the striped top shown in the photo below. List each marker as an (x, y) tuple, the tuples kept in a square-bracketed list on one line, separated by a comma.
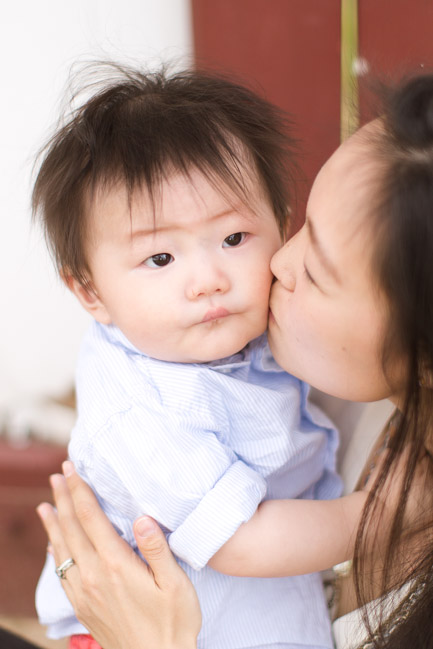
[(198, 447)]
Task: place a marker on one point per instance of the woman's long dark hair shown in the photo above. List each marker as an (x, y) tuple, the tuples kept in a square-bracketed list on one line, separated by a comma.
[(403, 261)]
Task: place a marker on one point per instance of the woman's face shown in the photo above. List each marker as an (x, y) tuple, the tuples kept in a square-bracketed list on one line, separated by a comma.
[(328, 316)]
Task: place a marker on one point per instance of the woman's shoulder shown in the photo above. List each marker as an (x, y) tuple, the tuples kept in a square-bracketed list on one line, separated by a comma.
[(349, 630)]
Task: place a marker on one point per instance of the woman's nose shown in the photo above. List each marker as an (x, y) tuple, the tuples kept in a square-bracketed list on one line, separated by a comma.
[(283, 268)]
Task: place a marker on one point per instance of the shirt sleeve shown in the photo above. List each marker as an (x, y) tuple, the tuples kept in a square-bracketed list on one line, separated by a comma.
[(173, 467)]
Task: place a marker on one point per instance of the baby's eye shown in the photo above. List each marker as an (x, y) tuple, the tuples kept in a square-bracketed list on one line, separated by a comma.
[(234, 239), (159, 261)]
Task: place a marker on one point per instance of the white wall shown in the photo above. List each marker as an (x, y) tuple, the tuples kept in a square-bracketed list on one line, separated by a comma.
[(40, 324)]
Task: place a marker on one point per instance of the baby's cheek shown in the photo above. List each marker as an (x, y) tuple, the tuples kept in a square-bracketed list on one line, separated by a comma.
[(264, 284), (262, 320)]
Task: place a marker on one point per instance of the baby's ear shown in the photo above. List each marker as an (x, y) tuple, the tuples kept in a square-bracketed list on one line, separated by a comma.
[(87, 297)]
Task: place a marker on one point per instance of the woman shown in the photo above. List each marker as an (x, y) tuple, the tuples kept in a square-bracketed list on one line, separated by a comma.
[(351, 313)]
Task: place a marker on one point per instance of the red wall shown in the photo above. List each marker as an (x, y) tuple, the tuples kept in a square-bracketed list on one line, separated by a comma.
[(291, 49), (396, 36)]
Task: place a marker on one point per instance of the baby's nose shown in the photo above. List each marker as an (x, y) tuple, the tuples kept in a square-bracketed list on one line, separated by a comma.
[(206, 282)]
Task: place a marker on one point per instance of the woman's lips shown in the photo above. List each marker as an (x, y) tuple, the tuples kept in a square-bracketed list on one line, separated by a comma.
[(214, 314)]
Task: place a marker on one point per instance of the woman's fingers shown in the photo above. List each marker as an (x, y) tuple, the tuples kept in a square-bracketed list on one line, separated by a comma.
[(121, 600), (175, 603), (79, 545), (59, 548), (154, 547), (51, 524), (93, 524)]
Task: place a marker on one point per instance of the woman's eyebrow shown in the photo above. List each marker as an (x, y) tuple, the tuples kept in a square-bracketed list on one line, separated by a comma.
[(324, 259)]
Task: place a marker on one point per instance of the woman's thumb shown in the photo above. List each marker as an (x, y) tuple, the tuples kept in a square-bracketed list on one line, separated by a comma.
[(154, 548)]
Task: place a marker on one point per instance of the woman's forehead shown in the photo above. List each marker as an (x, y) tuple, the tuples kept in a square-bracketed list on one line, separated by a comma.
[(342, 208), (347, 187)]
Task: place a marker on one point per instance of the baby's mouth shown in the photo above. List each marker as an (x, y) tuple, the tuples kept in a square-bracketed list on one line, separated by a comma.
[(215, 314)]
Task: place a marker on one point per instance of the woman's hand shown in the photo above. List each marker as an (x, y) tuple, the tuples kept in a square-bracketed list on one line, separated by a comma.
[(124, 603)]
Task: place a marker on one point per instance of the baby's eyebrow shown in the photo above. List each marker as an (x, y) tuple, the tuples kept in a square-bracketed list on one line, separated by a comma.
[(145, 232), (141, 232), (323, 257)]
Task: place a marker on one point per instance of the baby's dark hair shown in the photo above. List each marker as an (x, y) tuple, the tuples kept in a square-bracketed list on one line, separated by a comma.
[(139, 127)]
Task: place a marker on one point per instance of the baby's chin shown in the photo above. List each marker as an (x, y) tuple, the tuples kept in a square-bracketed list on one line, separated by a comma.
[(222, 351), (211, 357), (213, 344)]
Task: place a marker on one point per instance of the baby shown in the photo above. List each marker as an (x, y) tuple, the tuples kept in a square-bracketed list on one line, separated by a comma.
[(163, 200)]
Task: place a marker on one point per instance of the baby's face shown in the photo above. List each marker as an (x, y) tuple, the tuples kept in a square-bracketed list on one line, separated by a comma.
[(186, 279)]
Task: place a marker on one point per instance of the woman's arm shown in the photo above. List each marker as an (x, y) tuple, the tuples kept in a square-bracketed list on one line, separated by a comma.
[(292, 537), (123, 602)]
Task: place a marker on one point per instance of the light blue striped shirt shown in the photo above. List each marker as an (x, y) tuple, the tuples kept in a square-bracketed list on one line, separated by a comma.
[(198, 447)]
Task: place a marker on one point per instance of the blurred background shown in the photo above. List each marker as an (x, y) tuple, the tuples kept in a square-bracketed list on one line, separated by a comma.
[(308, 56)]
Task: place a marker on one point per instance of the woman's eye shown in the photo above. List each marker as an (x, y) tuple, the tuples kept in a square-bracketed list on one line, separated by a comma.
[(159, 261), (308, 276), (234, 239)]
